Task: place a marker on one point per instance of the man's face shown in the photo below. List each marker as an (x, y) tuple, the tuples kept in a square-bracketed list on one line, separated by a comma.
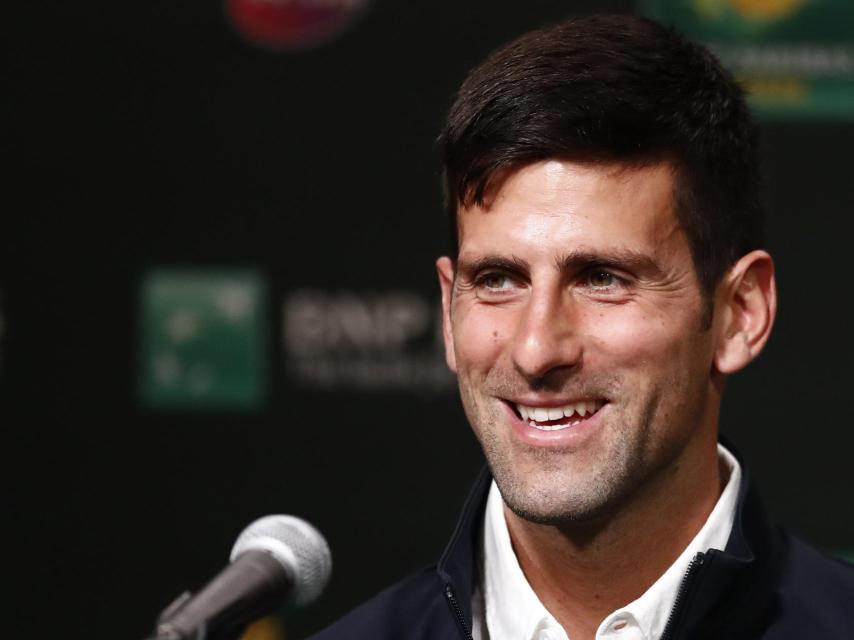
[(574, 324)]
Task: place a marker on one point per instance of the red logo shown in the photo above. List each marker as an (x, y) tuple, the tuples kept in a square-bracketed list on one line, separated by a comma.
[(292, 24)]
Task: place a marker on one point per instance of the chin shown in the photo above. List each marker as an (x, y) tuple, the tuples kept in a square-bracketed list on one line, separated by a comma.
[(567, 501)]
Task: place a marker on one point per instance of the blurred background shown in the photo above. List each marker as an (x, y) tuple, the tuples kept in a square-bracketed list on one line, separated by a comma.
[(217, 293)]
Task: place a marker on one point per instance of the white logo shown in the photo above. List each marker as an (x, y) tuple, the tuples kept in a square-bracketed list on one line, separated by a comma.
[(365, 341)]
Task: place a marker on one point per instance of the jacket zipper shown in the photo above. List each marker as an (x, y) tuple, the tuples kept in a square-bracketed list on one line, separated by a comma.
[(457, 611), (693, 566)]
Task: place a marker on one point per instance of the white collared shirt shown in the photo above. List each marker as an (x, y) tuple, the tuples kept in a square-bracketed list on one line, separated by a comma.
[(508, 609)]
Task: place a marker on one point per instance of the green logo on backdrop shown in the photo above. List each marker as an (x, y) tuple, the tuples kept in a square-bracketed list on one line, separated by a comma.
[(794, 57), (203, 340)]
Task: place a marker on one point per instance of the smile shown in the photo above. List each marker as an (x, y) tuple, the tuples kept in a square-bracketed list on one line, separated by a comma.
[(557, 418)]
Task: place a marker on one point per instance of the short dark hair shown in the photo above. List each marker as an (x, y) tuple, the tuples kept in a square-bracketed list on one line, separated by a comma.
[(614, 88)]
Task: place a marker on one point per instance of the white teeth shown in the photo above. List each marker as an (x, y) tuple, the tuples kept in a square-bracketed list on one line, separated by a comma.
[(542, 414), (554, 427), (555, 414)]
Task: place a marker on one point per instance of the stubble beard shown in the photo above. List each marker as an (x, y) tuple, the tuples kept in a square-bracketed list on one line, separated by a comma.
[(552, 488), (561, 487)]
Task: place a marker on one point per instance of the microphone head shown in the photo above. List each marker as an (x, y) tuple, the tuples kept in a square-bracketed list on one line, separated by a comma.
[(299, 547)]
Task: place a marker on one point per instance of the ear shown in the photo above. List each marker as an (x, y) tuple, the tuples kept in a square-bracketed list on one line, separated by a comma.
[(748, 303), (445, 269)]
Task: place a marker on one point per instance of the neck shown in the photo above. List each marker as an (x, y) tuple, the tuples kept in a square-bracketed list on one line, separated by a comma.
[(582, 572)]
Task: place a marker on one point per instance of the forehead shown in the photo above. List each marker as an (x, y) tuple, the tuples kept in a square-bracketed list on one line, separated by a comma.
[(563, 204)]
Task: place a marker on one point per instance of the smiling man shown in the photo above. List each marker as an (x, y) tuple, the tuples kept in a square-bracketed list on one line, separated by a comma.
[(607, 277)]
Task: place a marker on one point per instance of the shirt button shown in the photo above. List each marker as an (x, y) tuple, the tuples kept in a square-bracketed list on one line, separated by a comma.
[(618, 625), (624, 628)]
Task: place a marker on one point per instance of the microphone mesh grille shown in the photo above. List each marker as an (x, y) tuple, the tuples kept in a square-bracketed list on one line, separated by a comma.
[(300, 548)]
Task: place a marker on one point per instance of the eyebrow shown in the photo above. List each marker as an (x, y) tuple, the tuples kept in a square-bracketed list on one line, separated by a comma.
[(628, 259), (469, 266), (574, 261)]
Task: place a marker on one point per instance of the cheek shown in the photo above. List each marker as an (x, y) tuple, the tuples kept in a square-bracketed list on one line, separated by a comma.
[(479, 337), (648, 340)]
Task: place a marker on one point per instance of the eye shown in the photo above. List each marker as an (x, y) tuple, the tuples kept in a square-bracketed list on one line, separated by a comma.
[(496, 286), (601, 279), (495, 281)]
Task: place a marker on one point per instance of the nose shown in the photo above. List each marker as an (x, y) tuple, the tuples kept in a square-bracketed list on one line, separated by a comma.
[(547, 342)]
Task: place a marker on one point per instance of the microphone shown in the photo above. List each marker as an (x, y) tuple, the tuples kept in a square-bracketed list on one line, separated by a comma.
[(276, 560)]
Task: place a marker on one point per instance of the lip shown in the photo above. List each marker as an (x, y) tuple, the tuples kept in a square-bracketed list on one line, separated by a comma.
[(569, 438), (546, 404)]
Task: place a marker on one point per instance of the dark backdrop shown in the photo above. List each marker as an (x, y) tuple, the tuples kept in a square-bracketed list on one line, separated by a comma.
[(148, 134)]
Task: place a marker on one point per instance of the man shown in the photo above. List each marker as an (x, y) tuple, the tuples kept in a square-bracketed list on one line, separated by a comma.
[(602, 176)]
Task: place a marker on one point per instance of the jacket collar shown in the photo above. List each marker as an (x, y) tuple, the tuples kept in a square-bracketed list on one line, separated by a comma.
[(457, 565), (740, 573), (724, 579)]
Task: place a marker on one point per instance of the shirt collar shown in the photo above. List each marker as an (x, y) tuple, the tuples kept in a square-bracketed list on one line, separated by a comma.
[(513, 610)]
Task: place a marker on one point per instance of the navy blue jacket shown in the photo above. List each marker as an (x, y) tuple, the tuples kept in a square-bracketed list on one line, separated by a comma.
[(766, 584)]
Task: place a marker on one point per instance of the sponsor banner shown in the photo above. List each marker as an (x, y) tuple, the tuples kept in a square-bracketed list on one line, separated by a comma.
[(795, 58), (289, 25), (203, 339), (365, 341)]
